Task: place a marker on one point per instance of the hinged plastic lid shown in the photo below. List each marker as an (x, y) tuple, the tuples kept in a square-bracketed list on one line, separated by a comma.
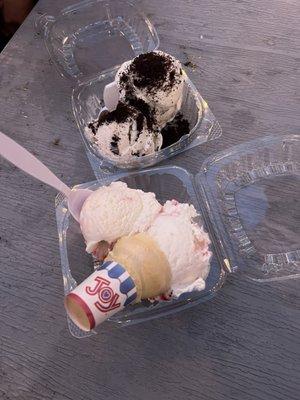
[(94, 36), (251, 204)]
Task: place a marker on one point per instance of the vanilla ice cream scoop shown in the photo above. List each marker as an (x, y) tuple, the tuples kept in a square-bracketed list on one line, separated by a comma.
[(185, 244), (157, 79), (114, 211), (145, 263)]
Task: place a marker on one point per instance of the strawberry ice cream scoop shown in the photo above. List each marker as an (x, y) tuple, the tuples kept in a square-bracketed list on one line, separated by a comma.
[(185, 244)]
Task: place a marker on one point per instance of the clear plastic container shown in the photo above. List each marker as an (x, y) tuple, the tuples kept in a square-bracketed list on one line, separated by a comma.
[(166, 183), (87, 104), (94, 36), (88, 42), (240, 193)]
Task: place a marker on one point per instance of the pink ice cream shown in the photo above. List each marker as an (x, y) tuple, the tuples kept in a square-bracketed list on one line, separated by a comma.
[(185, 244)]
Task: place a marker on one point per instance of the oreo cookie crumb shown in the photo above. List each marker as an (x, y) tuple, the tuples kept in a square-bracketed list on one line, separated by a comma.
[(91, 126), (172, 76), (150, 70), (114, 145), (190, 64), (143, 108), (174, 130), (139, 123), (124, 78), (119, 115)]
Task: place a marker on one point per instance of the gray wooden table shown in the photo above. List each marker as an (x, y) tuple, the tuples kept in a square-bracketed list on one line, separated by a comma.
[(244, 344)]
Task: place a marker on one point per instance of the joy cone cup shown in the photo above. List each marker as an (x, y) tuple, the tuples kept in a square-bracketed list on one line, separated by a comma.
[(136, 268), (102, 294)]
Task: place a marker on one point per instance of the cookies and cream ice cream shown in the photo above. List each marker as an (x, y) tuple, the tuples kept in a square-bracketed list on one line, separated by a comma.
[(116, 211), (156, 78), (147, 117), (124, 133)]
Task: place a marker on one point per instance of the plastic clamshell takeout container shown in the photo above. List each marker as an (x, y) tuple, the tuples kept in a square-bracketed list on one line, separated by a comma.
[(88, 42), (241, 195)]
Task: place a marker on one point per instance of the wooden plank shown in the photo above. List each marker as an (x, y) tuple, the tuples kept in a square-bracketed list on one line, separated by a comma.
[(244, 344)]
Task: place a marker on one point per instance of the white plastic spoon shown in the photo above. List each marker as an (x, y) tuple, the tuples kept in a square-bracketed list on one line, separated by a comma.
[(111, 96), (24, 160)]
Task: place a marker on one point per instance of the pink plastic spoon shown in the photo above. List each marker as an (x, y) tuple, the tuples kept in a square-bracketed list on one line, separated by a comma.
[(111, 96), (24, 160)]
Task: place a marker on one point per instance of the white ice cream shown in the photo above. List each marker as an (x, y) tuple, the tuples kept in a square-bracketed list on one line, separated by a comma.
[(130, 142), (185, 244), (165, 98), (114, 211), (151, 88)]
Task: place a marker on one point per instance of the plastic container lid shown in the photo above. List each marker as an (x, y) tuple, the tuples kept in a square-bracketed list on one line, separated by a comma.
[(250, 200), (92, 37)]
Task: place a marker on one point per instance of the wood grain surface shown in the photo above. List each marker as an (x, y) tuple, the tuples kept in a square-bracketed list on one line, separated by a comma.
[(244, 56)]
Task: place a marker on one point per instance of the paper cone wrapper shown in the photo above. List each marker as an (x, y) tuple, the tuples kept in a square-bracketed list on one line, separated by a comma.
[(107, 291)]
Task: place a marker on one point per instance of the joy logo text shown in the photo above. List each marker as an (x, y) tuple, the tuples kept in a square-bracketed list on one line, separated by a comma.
[(107, 298)]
